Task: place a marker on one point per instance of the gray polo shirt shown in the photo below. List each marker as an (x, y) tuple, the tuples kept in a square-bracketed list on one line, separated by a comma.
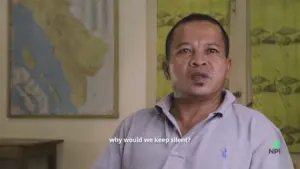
[(233, 137)]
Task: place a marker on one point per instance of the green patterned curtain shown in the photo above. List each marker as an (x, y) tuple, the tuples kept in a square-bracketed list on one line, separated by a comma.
[(275, 48), (169, 12)]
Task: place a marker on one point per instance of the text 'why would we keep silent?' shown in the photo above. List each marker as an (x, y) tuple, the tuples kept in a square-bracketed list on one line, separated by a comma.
[(149, 140)]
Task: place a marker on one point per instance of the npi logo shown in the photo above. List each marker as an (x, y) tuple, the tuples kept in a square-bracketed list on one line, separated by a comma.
[(275, 149)]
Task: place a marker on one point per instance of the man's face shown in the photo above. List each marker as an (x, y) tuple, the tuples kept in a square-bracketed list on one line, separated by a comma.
[(198, 65)]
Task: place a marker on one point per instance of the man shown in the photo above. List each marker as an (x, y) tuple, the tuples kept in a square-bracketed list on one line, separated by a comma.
[(201, 122)]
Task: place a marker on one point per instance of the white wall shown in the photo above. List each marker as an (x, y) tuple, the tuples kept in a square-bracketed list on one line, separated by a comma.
[(85, 139)]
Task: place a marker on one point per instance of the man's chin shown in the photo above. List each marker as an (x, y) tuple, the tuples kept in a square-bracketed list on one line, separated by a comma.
[(199, 91)]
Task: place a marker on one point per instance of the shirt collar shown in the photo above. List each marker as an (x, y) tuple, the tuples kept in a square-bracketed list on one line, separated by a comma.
[(165, 103)]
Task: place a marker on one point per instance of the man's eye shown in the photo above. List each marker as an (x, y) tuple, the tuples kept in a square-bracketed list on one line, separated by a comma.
[(185, 50), (212, 50)]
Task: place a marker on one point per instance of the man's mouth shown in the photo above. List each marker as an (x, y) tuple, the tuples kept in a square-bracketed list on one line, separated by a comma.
[(199, 76)]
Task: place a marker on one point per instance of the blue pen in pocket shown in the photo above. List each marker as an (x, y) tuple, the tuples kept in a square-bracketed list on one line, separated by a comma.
[(225, 156)]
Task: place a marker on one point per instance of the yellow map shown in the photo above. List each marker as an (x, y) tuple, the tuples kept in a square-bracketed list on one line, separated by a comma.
[(63, 57), (81, 55)]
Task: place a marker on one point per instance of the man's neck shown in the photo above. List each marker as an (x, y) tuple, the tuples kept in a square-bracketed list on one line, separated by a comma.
[(189, 111)]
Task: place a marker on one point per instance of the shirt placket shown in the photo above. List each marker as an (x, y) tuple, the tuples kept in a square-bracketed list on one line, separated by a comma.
[(179, 152)]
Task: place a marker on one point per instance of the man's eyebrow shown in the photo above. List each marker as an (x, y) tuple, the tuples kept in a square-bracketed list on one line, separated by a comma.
[(213, 44), (181, 44)]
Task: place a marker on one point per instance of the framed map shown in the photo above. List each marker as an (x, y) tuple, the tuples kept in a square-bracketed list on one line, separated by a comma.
[(63, 58)]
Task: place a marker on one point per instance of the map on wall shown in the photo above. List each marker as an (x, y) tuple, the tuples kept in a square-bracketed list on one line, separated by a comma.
[(62, 58), (171, 11)]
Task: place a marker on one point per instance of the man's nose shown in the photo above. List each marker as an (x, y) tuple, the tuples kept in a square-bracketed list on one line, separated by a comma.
[(198, 59)]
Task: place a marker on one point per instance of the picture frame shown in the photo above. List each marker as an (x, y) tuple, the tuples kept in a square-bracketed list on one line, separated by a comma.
[(63, 59)]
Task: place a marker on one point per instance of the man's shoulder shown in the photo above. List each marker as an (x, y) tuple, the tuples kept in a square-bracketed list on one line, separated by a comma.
[(258, 125), (142, 115), (139, 119), (252, 116)]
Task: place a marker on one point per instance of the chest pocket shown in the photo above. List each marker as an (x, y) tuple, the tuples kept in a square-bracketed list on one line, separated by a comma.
[(235, 156)]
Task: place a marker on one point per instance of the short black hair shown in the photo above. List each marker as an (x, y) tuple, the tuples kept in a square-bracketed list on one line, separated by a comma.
[(190, 18)]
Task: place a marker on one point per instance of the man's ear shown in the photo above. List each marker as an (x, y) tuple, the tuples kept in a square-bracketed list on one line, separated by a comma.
[(165, 67), (229, 63)]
